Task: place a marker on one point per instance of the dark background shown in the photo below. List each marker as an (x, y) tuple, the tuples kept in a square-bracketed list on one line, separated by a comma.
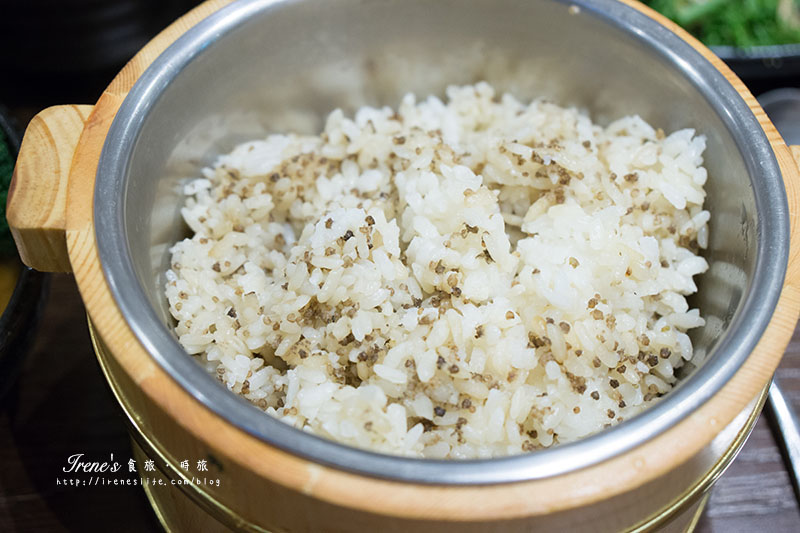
[(67, 51)]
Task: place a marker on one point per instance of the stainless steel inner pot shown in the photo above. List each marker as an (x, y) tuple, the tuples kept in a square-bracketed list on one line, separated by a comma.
[(269, 65)]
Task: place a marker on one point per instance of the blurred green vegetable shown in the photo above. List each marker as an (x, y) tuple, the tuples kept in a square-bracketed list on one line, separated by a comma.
[(7, 247), (740, 23)]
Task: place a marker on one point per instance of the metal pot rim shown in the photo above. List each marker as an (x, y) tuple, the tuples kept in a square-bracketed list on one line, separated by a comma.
[(732, 350)]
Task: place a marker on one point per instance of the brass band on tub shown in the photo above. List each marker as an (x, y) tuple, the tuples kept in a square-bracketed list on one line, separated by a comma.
[(165, 464), (695, 496)]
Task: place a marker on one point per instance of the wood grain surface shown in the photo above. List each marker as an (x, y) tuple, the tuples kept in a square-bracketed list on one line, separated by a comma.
[(37, 197), (61, 406)]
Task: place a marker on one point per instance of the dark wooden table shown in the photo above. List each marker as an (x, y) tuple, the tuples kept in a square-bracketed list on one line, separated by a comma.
[(61, 406)]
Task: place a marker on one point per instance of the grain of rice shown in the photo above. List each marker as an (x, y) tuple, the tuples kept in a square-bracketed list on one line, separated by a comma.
[(470, 278)]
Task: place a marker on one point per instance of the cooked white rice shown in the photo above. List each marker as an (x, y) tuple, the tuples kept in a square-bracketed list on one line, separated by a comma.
[(464, 279)]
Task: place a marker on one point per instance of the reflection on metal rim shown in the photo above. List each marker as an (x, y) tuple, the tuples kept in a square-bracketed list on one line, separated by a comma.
[(148, 492), (160, 504), (698, 514)]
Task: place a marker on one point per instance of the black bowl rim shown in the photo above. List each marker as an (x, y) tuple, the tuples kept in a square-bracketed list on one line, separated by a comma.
[(758, 53)]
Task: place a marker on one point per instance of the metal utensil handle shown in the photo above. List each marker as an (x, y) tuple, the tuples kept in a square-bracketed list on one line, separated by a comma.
[(784, 418)]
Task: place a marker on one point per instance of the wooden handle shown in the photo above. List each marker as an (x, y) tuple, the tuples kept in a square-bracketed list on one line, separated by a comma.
[(37, 197)]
